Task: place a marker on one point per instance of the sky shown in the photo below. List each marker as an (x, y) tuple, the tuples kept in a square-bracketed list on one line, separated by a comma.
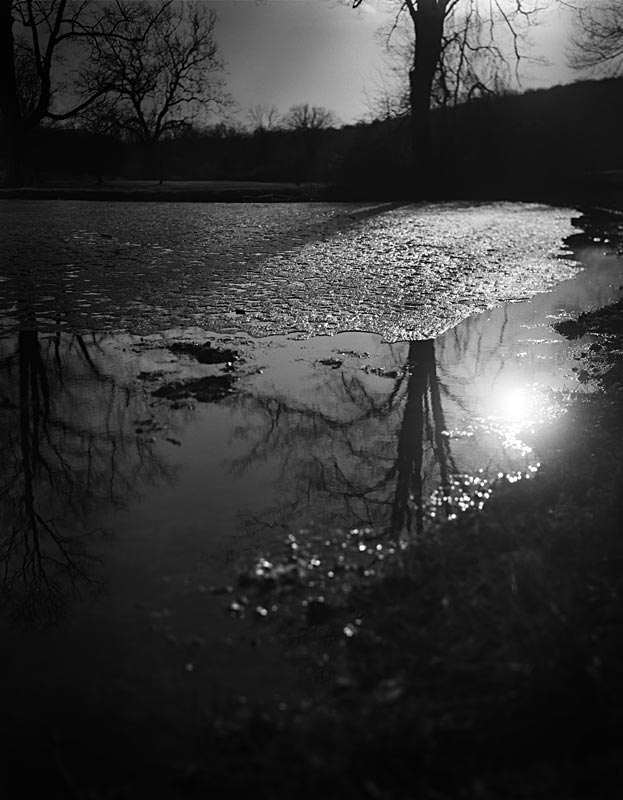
[(283, 52)]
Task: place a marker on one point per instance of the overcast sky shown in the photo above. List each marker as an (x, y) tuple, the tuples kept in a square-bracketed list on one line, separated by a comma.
[(282, 52)]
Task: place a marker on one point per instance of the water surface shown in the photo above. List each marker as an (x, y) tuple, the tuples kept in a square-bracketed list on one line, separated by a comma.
[(125, 509), (403, 271)]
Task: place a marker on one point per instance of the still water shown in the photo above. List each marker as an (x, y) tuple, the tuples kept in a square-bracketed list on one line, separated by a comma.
[(139, 473)]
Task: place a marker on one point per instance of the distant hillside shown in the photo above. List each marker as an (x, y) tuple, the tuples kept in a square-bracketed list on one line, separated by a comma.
[(541, 136), (542, 140)]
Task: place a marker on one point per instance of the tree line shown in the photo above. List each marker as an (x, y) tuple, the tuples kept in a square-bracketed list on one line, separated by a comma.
[(142, 74), (514, 145)]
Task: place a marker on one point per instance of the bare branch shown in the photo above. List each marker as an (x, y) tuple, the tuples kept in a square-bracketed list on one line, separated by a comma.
[(304, 117), (597, 41), (159, 71), (263, 117)]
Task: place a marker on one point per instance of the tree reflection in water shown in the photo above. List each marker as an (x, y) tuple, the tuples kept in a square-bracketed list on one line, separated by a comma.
[(423, 426), (359, 456), (69, 455)]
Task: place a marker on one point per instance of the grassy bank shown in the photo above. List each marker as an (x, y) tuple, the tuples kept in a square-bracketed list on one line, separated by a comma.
[(484, 661), (170, 191), (585, 194), (488, 660)]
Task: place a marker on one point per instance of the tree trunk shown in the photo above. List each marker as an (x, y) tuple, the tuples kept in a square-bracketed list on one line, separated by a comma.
[(8, 99), (421, 138), (15, 160), (407, 499), (152, 161), (428, 21), (18, 126)]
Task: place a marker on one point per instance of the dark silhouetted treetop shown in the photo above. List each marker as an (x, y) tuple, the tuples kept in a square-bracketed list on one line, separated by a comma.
[(263, 117), (305, 117), (163, 73)]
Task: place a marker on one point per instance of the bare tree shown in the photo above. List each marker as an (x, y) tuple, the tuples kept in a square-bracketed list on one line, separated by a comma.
[(263, 117), (160, 73), (39, 41), (597, 40), (307, 123), (142, 67), (305, 117), (454, 51)]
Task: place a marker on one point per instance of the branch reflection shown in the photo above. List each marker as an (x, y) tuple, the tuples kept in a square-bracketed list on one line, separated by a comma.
[(69, 456), (365, 451)]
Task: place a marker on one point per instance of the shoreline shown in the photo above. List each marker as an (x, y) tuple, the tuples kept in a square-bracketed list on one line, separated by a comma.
[(174, 192), (596, 199), (486, 664)]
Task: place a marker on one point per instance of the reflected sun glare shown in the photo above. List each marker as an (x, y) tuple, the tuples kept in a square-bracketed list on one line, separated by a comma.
[(515, 404)]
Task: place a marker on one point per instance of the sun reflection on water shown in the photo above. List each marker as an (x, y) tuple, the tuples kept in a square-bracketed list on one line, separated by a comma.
[(516, 409), (516, 403), (513, 411)]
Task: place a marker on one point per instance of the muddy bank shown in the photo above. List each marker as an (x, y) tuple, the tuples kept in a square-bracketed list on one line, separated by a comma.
[(481, 661), (174, 192), (585, 195), (480, 656), (485, 662)]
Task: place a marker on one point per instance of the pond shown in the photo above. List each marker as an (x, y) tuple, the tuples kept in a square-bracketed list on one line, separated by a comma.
[(172, 409)]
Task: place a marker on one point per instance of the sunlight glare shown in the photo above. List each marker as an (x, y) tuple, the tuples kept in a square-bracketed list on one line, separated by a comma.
[(515, 404)]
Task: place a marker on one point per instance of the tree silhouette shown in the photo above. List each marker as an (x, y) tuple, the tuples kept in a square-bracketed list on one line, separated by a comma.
[(307, 123), (150, 62), (158, 74), (305, 117), (35, 35), (454, 52), (263, 117)]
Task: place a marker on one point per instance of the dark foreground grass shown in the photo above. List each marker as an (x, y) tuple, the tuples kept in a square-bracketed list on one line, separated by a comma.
[(488, 658), (171, 191), (488, 661)]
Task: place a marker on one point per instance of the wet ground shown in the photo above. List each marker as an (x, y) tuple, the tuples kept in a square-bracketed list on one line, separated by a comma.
[(154, 444), (402, 271)]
